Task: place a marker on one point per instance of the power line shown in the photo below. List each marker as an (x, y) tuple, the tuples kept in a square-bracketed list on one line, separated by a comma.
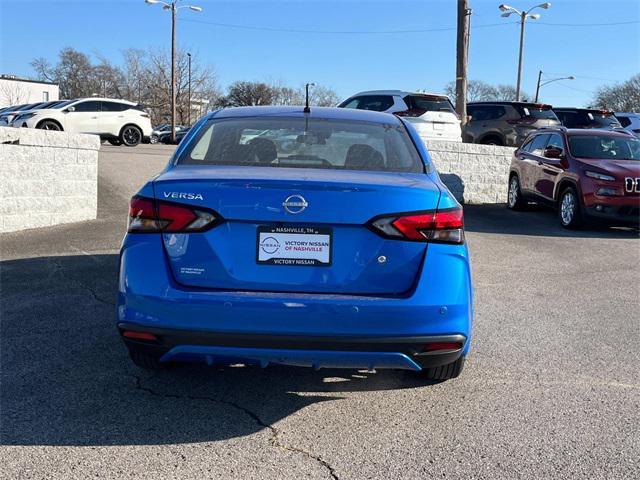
[(339, 32), (585, 24), (394, 32)]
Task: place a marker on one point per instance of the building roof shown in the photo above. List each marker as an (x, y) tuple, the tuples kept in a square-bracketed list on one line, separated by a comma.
[(15, 78)]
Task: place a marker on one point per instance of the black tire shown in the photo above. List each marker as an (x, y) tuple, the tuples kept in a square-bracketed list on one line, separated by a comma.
[(145, 361), (153, 139), (49, 125), (131, 136), (443, 372), (492, 140), (514, 194), (116, 142), (569, 209)]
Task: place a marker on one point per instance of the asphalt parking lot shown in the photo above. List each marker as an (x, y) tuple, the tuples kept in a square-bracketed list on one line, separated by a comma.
[(551, 389)]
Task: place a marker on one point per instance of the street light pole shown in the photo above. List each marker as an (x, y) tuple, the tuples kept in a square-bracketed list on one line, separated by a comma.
[(189, 98), (523, 18), (173, 6), (524, 15), (538, 85), (570, 77)]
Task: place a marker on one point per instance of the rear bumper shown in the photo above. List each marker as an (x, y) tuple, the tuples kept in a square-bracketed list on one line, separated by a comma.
[(408, 353), (319, 330)]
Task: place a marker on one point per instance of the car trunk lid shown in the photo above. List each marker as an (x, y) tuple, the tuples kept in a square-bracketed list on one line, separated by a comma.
[(267, 209)]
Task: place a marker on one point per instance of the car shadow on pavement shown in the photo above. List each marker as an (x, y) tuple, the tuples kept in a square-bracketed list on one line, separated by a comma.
[(67, 380), (536, 220)]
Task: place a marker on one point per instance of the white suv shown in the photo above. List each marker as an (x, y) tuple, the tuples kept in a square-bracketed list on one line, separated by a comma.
[(630, 121), (432, 115), (118, 121)]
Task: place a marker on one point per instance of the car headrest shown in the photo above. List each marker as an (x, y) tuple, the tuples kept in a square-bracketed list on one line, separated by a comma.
[(264, 149), (363, 157), (240, 153)]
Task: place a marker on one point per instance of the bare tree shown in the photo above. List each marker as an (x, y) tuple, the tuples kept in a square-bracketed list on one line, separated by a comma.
[(12, 93), (242, 93), (144, 77), (479, 91), (621, 97), (321, 96)]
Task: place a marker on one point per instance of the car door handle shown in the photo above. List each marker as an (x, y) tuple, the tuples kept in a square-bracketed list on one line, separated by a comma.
[(94, 118)]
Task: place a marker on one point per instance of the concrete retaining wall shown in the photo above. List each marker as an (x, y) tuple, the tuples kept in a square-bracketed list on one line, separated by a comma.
[(474, 173), (46, 178)]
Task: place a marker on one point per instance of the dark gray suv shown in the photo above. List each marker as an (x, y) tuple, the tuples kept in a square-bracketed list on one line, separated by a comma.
[(506, 123)]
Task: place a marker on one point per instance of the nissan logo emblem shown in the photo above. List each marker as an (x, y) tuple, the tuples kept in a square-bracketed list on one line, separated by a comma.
[(295, 204)]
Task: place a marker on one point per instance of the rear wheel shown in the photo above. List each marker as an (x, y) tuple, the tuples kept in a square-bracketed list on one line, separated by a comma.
[(145, 361), (443, 372), (49, 125), (569, 209), (514, 195), (492, 140), (131, 135)]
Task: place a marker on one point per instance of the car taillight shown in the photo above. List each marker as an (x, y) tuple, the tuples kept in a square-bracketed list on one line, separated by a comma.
[(414, 112), (147, 215), (443, 226), (524, 121)]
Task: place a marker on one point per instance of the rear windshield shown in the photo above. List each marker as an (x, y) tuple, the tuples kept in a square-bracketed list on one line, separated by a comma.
[(605, 147), (429, 103), (303, 143), (543, 113), (601, 119), (588, 119)]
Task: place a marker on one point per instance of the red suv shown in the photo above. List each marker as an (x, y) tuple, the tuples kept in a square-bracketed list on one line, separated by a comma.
[(584, 173)]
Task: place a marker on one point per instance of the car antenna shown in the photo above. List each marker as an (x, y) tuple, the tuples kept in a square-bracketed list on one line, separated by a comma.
[(306, 99)]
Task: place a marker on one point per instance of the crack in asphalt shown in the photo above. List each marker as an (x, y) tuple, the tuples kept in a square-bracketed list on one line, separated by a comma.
[(84, 286), (275, 439)]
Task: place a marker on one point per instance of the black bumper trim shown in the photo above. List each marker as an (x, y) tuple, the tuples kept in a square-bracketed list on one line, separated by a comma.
[(412, 346)]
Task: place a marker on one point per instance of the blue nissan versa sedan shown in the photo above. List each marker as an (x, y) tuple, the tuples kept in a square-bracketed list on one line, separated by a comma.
[(319, 239)]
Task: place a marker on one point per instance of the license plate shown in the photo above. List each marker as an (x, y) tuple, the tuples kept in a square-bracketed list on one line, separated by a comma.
[(294, 246)]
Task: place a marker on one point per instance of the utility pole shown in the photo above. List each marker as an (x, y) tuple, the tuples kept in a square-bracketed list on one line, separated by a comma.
[(462, 58)]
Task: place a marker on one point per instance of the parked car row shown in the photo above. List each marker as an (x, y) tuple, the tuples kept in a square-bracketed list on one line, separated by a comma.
[(493, 123), (118, 121)]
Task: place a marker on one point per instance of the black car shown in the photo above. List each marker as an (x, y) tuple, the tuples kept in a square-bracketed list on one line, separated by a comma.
[(587, 118), (166, 137)]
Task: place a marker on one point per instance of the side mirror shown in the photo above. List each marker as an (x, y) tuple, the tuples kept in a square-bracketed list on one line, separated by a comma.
[(552, 152), (70, 109), (469, 118)]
